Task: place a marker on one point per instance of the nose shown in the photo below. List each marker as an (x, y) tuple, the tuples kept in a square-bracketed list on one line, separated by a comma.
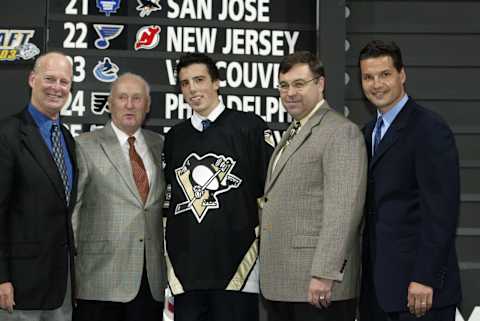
[(57, 85), (377, 82), (129, 104), (291, 90)]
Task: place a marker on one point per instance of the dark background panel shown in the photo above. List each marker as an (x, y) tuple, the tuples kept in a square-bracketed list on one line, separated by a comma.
[(440, 46), (415, 17), (460, 50)]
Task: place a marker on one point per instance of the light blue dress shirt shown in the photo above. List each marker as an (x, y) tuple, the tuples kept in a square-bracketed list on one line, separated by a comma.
[(389, 117)]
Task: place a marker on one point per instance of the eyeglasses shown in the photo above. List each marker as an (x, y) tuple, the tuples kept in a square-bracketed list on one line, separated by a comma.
[(299, 84)]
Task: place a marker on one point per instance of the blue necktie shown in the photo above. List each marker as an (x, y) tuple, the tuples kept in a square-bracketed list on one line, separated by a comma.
[(378, 133), (57, 153), (206, 123)]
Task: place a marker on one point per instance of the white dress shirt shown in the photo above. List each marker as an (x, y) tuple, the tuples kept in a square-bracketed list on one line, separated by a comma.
[(141, 148)]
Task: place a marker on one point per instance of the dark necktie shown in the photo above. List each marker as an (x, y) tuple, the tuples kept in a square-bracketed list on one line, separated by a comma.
[(293, 132), (206, 123), (57, 153), (138, 169), (378, 133)]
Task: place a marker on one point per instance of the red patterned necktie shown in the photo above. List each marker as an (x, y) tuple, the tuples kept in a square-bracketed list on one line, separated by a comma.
[(138, 169)]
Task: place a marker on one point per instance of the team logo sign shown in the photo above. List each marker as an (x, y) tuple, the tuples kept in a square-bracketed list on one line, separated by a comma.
[(148, 37), (15, 44), (202, 179), (146, 7), (108, 6), (106, 70), (99, 103), (106, 33)]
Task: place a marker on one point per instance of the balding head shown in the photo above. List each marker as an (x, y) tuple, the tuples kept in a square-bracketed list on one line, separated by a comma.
[(50, 80)]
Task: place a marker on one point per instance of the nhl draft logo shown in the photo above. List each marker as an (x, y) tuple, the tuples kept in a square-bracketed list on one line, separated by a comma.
[(146, 7), (15, 44), (108, 6), (106, 33), (202, 179), (148, 37), (106, 70), (99, 103)]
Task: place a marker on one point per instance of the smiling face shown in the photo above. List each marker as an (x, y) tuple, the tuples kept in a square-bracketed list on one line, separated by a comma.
[(51, 81), (300, 102), (382, 83), (129, 103), (198, 88)]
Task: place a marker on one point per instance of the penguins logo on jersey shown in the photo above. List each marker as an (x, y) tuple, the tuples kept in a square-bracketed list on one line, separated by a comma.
[(202, 179)]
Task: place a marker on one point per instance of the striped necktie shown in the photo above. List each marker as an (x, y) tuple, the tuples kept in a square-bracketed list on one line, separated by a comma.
[(58, 157)]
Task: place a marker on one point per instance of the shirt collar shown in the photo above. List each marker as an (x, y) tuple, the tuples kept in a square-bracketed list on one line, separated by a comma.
[(390, 115), (123, 137), (196, 118), (43, 121), (304, 120)]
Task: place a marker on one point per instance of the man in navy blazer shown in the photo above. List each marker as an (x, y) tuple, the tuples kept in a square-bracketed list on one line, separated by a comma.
[(410, 268), (37, 194)]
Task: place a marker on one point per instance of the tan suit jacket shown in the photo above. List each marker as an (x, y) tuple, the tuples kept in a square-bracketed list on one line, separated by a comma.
[(313, 204), (113, 227)]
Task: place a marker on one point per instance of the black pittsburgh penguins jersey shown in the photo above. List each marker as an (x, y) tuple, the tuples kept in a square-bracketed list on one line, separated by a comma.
[(216, 177)]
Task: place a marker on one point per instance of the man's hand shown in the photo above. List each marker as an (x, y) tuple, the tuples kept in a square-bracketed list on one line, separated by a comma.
[(320, 292), (420, 299), (6, 297)]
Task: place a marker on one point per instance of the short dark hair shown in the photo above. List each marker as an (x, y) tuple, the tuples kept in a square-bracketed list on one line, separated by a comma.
[(198, 58), (380, 48), (302, 57)]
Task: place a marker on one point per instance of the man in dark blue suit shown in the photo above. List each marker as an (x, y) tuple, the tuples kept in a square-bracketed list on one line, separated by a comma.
[(37, 195), (410, 269)]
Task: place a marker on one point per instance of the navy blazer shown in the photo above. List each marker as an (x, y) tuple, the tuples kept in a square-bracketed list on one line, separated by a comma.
[(36, 237), (412, 209)]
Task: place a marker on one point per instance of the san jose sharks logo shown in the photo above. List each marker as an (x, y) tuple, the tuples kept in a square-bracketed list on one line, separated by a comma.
[(146, 7), (202, 179)]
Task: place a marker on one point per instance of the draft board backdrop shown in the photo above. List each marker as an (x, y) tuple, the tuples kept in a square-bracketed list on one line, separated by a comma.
[(248, 38)]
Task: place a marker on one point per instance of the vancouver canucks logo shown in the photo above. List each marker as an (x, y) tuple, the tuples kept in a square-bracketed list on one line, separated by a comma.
[(202, 179)]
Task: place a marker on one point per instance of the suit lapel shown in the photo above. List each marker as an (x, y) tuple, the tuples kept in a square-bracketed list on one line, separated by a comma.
[(393, 133), (155, 151), (368, 130), (36, 145), (113, 151), (73, 158), (298, 141)]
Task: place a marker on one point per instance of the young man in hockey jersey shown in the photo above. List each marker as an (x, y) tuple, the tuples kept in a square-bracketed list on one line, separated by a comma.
[(216, 163)]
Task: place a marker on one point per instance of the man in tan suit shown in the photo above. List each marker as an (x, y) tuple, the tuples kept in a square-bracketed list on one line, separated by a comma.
[(118, 218), (313, 203)]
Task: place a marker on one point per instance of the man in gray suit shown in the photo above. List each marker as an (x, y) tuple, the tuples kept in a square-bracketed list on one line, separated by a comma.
[(313, 203), (118, 217)]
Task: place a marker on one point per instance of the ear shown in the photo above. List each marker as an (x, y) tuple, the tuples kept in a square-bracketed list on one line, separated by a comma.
[(321, 84), (31, 78), (147, 110), (403, 75), (216, 84)]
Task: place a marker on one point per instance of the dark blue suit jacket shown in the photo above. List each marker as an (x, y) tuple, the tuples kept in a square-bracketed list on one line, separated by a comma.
[(412, 210)]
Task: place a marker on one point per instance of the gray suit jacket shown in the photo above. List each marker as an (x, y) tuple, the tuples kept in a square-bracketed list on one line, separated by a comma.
[(113, 227), (313, 204)]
